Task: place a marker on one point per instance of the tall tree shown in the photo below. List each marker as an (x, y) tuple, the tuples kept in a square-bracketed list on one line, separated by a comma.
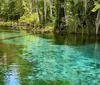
[(60, 15)]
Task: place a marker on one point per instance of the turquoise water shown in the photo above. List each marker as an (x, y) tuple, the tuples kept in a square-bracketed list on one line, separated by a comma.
[(48, 59)]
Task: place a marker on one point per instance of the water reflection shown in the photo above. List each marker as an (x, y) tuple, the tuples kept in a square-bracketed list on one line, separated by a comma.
[(12, 76), (12, 68), (49, 60), (70, 39)]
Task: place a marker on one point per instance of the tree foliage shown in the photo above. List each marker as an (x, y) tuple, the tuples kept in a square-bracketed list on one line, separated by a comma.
[(61, 14)]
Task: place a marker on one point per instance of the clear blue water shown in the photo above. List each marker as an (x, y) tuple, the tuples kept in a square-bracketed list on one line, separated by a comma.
[(28, 59)]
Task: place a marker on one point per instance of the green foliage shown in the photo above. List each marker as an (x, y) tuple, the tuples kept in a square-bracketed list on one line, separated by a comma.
[(29, 18), (97, 6), (54, 13), (11, 9)]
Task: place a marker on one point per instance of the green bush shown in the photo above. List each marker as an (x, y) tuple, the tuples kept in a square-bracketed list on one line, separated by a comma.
[(29, 18), (97, 6)]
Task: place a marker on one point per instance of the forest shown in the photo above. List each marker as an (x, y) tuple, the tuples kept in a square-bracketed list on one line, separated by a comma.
[(71, 16)]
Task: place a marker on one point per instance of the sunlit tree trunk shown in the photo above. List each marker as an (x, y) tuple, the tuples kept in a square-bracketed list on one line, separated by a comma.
[(97, 21), (37, 10), (85, 5), (45, 11), (51, 4)]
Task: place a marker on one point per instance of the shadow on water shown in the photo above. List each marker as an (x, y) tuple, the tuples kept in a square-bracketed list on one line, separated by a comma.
[(70, 39)]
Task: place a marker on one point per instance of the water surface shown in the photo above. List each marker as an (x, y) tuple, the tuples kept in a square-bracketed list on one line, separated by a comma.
[(48, 59)]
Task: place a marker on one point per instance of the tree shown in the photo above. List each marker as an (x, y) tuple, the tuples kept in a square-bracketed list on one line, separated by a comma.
[(37, 10), (97, 8), (60, 15)]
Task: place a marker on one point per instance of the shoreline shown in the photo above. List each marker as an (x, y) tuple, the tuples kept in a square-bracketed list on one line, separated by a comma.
[(40, 30)]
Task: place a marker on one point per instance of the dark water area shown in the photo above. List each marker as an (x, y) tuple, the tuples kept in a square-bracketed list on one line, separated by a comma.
[(48, 59)]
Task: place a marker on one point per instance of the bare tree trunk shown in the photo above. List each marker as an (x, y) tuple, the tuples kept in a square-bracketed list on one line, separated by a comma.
[(45, 10), (97, 21), (51, 4), (66, 17), (85, 5), (37, 10)]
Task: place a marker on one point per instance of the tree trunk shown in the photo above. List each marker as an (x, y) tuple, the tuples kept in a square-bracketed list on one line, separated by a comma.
[(85, 6), (59, 15), (45, 11), (37, 10), (66, 17), (97, 21), (51, 4)]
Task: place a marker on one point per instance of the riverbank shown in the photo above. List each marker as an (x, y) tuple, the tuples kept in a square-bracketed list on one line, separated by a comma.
[(47, 29), (27, 26)]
